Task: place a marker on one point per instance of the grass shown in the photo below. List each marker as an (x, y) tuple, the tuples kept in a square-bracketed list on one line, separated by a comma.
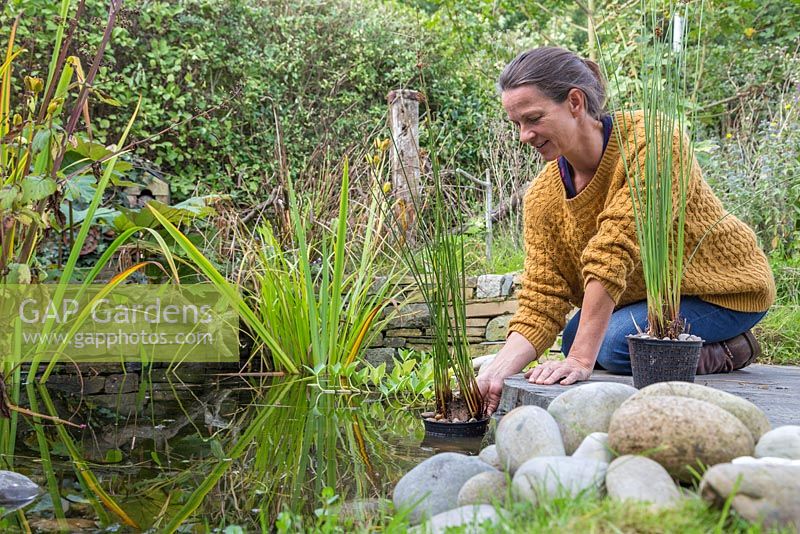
[(779, 335), (586, 513)]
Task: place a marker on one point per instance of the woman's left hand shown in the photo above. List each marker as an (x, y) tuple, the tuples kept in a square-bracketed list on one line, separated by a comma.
[(565, 372)]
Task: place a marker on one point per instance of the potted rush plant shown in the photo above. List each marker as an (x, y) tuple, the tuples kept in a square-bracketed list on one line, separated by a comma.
[(658, 184), (435, 259)]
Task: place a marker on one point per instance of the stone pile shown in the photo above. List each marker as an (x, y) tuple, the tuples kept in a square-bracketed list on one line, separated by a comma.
[(610, 439)]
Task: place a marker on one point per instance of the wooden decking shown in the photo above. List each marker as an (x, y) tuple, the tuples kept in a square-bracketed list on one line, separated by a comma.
[(774, 389)]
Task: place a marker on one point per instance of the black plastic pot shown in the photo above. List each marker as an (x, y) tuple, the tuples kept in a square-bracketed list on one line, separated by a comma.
[(443, 429), (662, 360)]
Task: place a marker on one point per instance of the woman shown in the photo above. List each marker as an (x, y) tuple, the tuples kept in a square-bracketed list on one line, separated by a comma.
[(580, 238)]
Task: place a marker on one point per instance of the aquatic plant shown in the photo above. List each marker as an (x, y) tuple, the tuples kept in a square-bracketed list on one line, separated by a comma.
[(435, 259), (657, 179), (304, 307)]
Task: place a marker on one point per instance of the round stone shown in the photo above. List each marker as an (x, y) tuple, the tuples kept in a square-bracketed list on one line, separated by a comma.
[(636, 478), (483, 488), (678, 432), (758, 493), (16, 488), (748, 413), (526, 432), (585, 409), (595, 447), (489, 455), (432, 486), (474, 517), (545, 478), (781, 442)]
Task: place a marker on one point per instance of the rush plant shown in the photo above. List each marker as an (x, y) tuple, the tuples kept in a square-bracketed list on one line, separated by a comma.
[(435, 260), (658, 179)]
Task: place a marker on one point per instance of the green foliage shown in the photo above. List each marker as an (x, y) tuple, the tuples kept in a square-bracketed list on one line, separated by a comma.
[(757, 173), (323, 317)]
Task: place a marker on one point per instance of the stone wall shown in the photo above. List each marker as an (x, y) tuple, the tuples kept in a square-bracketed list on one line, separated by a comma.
[(491, 301)]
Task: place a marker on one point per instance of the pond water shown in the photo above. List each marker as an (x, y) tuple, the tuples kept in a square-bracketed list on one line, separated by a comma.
[(242, 449)]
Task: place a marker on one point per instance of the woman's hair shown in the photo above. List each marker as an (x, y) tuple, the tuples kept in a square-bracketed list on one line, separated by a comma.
[(554, 71)]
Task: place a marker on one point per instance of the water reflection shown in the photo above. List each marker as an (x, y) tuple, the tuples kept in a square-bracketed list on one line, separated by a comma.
[(261, 446)]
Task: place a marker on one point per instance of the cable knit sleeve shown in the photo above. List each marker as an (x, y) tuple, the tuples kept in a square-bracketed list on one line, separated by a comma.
[(545, 294)]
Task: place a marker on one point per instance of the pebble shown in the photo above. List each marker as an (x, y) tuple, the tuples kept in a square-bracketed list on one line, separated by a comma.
[(765, 493), (542, 479), (526, 432), (15, 487), (781, 442), (587, 408), (467, 519), (636, 478)]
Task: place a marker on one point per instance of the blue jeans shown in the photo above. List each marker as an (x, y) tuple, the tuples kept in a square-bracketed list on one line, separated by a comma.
[(711, 322)]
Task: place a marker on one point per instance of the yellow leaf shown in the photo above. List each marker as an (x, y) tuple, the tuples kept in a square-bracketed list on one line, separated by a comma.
[(749, 32)]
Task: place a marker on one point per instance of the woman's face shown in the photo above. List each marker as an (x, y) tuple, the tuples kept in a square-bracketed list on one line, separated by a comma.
[(547, 126)]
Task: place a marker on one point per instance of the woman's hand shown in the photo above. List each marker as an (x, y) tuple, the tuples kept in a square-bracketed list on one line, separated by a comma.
[(567, 371), (512, 358)]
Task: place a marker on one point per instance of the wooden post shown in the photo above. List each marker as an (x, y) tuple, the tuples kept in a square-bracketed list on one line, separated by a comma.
[(406, 186)]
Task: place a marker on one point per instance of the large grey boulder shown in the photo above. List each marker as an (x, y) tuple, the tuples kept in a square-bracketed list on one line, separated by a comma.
[(781, 442), (484, 488), (544, 478), (678, 432), (768, 493), (526, 432), (587, 408), (16, 488), (595, 446), (748, 413), (432, 486), (471, 519), (636, 478)]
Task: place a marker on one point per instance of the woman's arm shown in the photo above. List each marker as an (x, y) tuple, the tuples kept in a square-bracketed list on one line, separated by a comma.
[(596, 311), (512, 358)]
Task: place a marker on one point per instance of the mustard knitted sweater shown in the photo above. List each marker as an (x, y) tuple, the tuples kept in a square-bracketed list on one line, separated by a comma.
[(593, 236)]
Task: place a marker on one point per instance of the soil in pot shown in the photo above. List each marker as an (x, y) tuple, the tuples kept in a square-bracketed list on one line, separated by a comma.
[(663, 360), (457, 422)]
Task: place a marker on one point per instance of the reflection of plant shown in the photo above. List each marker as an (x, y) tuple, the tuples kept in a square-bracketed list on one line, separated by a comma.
[(409, 382)]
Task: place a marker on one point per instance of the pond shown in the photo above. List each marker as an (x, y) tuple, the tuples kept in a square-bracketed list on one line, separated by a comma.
[(242, 450)]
